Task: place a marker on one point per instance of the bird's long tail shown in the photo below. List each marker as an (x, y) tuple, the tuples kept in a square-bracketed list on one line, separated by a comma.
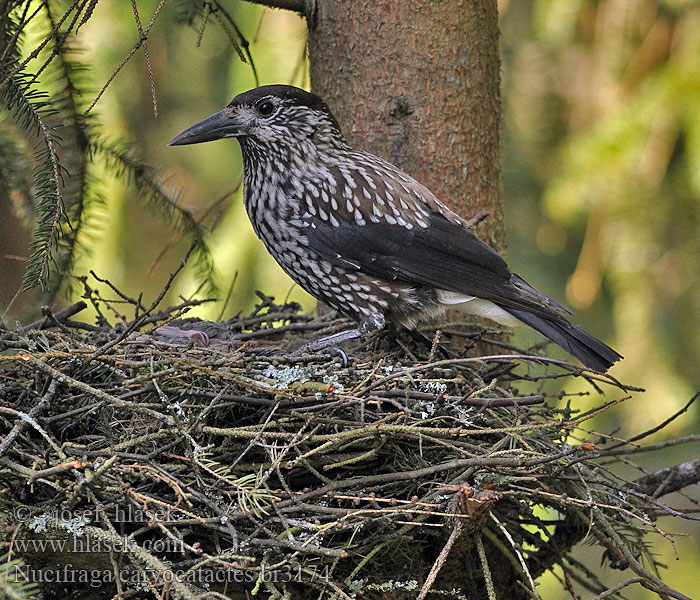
[(590, 351)]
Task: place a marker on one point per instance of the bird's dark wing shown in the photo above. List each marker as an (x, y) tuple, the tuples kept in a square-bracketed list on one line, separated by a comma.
[(443, 255)]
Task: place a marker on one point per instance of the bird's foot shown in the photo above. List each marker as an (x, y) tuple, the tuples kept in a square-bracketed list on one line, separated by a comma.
[(268, 351), (329, 345), (334, 351)]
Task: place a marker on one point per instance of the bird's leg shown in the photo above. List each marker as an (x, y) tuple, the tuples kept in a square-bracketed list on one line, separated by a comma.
[(330, 342)]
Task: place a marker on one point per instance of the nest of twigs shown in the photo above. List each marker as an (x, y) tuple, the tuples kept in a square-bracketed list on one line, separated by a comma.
[(160, 467)]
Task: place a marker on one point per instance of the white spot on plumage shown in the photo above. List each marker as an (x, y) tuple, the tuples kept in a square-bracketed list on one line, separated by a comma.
[(476, 306)]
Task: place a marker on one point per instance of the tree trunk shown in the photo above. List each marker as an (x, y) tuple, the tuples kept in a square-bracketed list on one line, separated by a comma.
[(417, 82)]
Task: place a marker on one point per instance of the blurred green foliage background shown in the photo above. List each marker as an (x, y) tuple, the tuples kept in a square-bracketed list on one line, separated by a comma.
[(602, 190), (601, 160)]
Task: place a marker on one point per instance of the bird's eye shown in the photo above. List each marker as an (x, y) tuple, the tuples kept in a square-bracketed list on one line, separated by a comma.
[(266, 108)]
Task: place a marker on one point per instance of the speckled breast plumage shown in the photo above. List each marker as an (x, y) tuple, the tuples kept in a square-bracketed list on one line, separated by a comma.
[(283, 205)]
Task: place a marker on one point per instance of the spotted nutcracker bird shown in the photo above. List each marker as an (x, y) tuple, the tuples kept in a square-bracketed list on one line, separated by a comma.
[(363, 236)]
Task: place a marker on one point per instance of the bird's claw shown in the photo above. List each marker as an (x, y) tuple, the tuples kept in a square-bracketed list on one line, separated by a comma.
[(336, 351), (311, 348)]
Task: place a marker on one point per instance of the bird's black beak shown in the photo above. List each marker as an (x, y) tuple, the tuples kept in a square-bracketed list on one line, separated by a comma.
[(219, 125)]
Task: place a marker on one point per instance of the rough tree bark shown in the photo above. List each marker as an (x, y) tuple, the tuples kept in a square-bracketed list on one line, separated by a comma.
[(418, 82)]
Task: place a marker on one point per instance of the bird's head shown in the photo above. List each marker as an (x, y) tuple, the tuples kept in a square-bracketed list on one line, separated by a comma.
[(274, 115)]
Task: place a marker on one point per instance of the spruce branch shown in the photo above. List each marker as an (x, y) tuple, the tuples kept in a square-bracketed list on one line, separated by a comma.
[(80, 192), (30, 109)]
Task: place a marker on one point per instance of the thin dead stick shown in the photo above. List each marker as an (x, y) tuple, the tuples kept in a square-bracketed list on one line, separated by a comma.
[(616, 588), (488, 579), (26, 419), (137, 45), (138, 322), (440, 560), (142, 36), (519, 554)]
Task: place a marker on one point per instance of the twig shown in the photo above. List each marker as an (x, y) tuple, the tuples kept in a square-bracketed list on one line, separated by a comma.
[(440, 560), (25, 419), (136, 323), (488, 579), (149, 70), (99, 394), (142, 38), (616, 588), (668, 480), (60, 317)]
